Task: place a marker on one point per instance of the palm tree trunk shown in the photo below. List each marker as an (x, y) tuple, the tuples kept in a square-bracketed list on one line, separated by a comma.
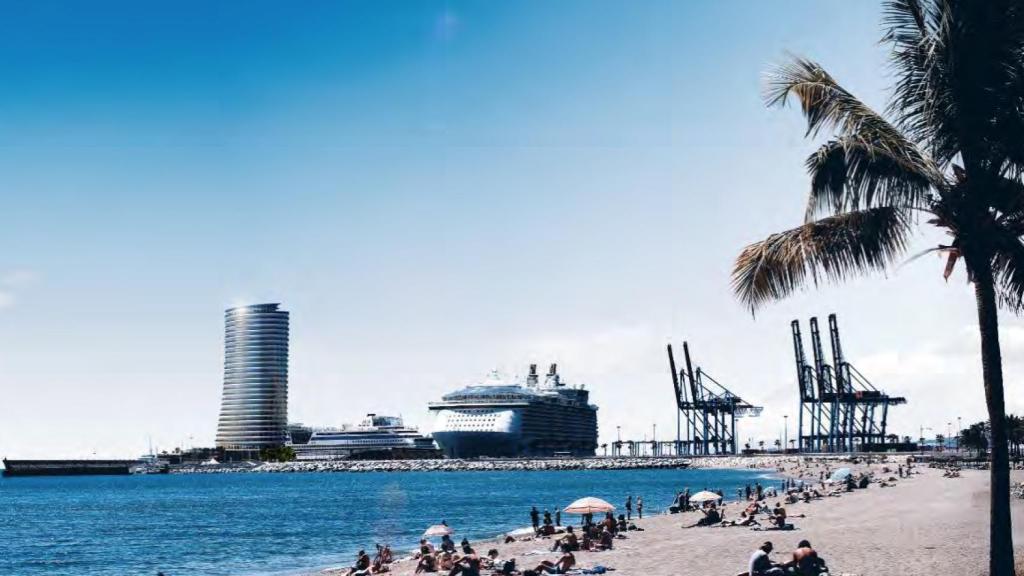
[(1000, 537)]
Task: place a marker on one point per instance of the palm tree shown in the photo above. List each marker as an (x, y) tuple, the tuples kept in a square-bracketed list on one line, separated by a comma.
[(947, 152), (778, 444), (940, 441), (760, 444)]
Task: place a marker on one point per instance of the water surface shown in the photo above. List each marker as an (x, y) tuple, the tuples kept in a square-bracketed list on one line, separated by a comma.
[(255, 524)]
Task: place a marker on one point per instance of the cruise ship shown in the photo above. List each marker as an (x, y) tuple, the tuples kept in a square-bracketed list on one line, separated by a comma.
[(376, 436), (499, 418)]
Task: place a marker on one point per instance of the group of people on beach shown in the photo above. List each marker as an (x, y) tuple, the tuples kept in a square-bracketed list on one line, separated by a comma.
[(445, 558), (803, 562)]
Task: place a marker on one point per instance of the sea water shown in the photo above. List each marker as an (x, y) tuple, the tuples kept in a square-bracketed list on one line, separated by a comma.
[(257, 524)]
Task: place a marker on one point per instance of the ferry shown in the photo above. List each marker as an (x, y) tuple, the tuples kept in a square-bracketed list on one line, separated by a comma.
[(531, 418), (377, 436)]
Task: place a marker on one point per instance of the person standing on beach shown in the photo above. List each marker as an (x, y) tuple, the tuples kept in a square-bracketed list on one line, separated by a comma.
[(629, 507), (558, 517), (747, 492), (535, 518), (640, 507), (759, 491)]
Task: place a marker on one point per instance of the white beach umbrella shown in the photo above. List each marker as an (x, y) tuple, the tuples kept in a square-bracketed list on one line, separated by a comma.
[(704, 496), (588, 505), (437, 530), (840, 475)]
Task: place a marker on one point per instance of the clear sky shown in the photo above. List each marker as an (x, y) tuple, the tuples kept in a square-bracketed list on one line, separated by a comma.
[(433, 189)]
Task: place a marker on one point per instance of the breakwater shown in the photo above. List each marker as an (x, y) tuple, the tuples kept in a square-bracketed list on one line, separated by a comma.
[(447, 465), (504, 465)]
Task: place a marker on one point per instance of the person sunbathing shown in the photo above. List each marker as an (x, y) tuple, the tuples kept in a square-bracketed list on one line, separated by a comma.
[(569, 540), (491, 561), (362, 565), (446, 544), (468, 565), (427, 545), (445, 561), (806, 561), (385, 554), (711, 517), (427, 561), (604, 541), (562, 566), (779, 515)]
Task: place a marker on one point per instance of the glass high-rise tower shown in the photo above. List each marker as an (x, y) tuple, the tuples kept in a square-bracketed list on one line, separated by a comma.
[(254, 405)]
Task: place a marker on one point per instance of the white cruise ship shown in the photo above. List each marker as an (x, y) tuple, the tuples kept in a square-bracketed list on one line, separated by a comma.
[(379, 436), (499, 418)]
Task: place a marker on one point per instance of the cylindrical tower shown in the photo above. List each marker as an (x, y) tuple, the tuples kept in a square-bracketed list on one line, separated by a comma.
[(254, 406)]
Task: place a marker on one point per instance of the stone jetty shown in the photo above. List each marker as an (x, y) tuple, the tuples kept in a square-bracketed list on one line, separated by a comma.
[(510, 464), (444, 465)]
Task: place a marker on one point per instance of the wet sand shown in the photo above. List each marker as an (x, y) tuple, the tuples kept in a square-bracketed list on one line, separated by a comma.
[(922, 525)]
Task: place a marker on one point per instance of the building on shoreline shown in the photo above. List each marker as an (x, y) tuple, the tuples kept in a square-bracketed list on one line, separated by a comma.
[(254, 405)]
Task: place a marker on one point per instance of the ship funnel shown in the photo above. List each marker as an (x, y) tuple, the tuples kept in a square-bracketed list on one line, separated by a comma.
[(531, 380), (553, 370)]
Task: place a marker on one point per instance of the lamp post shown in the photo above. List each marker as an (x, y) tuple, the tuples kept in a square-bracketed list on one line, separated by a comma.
[(949, 426), (923, 428), (959, 432), (654, 439), (785, 432)]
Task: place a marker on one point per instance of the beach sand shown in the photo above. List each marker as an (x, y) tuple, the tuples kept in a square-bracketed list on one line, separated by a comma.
[(923, 525)]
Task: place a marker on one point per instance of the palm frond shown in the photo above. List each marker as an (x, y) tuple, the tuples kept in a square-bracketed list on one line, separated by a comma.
[(832, 248), (1008, 268), (852, 173), (826, 105)]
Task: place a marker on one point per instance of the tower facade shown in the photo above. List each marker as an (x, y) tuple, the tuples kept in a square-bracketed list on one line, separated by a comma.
[(254, 404)]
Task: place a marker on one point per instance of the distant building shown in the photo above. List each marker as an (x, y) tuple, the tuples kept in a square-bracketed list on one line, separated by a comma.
[(254, 405)]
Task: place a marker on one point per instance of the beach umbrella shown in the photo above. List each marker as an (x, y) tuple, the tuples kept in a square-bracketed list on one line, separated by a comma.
[(437, 530), (588, 505), (704, 496), (840, 475)]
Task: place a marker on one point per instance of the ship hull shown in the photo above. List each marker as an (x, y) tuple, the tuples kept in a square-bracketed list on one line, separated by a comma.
[(460, 444), (67, 467)]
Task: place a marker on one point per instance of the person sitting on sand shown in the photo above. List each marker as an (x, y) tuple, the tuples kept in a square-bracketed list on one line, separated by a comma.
[(468, 565), (490, 561), (711, 517), (604, 540), (621, 525), (761, 565), (385, 554), (427, 561), (779, 515), (746, 520), (446, 544), (427, 545), (564, 564), (609, 523), (569, 540), (362, 565), (446, 561), (805, 561)]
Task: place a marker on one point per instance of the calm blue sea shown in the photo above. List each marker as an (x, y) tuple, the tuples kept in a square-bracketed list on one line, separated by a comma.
[(258, 524)]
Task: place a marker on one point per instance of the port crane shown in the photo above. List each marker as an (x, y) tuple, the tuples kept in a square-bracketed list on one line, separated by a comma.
[(840, 409), (709, 409)]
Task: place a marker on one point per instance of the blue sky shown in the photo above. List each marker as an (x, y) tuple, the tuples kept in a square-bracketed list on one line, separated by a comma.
[(434, 189)]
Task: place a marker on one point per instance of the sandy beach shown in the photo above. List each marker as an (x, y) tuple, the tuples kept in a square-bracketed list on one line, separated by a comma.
[(925, 524)]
